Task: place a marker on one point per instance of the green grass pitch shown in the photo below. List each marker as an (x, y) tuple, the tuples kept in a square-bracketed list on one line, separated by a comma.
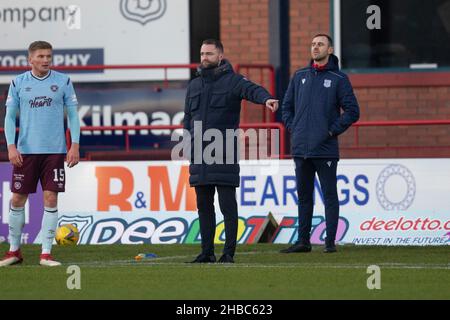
[(260, 272)]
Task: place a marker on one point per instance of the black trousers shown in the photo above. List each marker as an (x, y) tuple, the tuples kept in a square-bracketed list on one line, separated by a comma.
[(305, 170), (207, 217)]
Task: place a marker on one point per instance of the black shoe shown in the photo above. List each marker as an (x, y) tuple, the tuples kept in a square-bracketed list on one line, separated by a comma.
[(226, 258), (203, 258), (297, 247), (330, 247)]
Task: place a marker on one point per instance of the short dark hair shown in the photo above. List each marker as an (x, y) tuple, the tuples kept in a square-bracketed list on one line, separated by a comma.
[(215, 42), (38, 45), (330, 40)]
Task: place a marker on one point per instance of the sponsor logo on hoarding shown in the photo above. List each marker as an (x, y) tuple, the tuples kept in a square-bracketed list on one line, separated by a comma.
[(81, 222), (28, 15), (104, 116), (396, 177), (176, 193), (143, 11), (404, 224), (400, 240), (146, 230), (160, 189), (403, 231)]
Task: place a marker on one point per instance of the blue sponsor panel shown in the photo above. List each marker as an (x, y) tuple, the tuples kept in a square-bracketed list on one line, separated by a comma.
[(351, 191), (112, 105), (61, 57)]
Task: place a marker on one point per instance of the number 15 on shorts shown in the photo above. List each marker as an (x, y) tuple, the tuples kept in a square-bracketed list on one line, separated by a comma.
[(58, 175)]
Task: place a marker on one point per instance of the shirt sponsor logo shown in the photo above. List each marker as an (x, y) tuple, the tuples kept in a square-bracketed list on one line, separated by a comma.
[(39, 102), (18, 177)]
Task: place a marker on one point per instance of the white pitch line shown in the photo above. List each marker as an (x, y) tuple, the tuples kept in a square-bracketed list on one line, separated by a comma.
[(259, 266), (130, 263), (156, 262), (246, 266)]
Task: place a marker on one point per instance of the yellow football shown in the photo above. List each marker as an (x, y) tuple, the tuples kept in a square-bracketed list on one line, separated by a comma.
[(67, 235)]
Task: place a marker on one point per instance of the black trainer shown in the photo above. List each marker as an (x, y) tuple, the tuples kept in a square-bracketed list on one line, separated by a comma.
[(329, 248), (297, 247), (226, 258), (203, 258)]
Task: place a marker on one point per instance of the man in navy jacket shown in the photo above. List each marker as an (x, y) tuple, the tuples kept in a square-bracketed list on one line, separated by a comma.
[(213, 100), (312, 114)]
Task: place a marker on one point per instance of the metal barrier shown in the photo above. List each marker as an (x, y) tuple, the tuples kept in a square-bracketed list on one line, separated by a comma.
[(274, 125), (356, 146)]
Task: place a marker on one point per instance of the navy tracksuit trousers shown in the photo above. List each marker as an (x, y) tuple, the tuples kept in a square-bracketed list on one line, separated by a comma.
[(207, 216), (305, 170)]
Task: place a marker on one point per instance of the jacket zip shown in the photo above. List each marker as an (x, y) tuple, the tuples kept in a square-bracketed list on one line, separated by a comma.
[(205, 121), (309, 110)]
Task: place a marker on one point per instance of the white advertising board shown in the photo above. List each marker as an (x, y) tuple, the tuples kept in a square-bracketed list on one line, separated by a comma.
[(100, 32), (382, 202)]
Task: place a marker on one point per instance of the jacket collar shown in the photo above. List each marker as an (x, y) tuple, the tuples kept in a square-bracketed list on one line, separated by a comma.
[(217, 72), (332, 65)]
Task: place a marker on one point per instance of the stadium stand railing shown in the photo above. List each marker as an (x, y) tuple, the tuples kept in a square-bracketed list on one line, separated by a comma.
[(128, 153), (353, 145)]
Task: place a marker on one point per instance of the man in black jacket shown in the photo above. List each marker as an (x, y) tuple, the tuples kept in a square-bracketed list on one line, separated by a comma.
[(312, 114), (213, 101)]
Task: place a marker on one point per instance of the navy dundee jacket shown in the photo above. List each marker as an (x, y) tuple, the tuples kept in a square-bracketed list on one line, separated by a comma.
[(311, 110)]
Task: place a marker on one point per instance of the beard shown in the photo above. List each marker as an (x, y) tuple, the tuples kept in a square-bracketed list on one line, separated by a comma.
[(209, 65)]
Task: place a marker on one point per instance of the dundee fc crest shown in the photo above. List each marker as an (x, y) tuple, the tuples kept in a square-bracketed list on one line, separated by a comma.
[(143, 11)]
